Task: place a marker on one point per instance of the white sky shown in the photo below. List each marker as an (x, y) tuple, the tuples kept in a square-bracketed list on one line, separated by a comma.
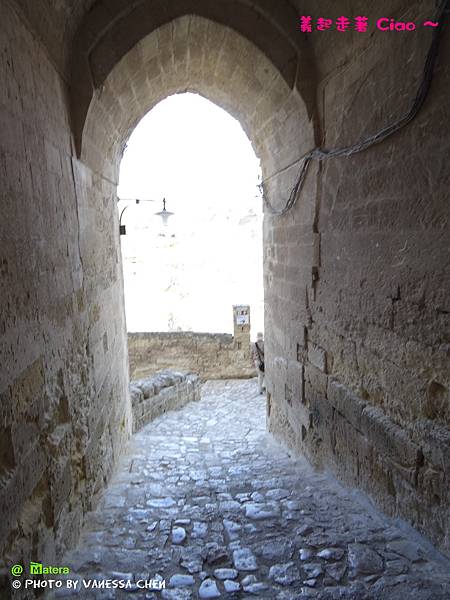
[(187, 276)]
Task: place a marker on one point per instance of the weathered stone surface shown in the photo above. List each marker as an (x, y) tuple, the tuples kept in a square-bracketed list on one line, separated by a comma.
[(316, 551), (275, 550), (363, 560), (244, 560), (313, 570), (358, 267), (178, 535), (214, 553), (161, 502), (181, 580), (225, 573), (346, 402), (406, 549), (62, 332), (256, 588), (305, 553), (208, 589), (136, 394), (388, 438), (231, 586), (284, 574), (210, 355), (331, 553), (261, 511), (177, 594), (166, 390), (317, 356), (336, 571)]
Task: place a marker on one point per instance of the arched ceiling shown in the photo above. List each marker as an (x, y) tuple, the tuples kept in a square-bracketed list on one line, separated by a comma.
[(57, 22), (192, 53), (112, 28)]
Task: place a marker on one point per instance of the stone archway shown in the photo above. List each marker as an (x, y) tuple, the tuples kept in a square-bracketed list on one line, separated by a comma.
[(188, 53), (195, 54), (355, 274), (110, 30)]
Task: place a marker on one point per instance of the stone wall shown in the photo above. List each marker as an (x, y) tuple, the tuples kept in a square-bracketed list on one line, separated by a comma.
[(211, 355), (356, 274), (64, 406), (357, 317), (167, 390)]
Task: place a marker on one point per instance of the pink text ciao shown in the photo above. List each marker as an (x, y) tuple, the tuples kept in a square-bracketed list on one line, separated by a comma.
[(385, 24)]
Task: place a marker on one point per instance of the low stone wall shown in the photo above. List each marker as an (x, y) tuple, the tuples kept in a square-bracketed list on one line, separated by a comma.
[(210, 355), (167, 390)]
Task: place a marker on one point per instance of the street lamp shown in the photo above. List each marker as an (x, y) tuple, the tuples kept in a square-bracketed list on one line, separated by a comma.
[(164, 214)]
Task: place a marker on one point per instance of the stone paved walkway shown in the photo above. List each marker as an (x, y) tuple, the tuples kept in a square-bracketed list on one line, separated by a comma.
[(208, 500)]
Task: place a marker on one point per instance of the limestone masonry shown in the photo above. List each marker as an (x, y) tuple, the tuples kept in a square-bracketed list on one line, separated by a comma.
[(276, 530), (356, 274), (210, 355), (167, 390)]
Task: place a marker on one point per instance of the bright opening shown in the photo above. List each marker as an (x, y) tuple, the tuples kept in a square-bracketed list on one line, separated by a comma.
[(187, 275)]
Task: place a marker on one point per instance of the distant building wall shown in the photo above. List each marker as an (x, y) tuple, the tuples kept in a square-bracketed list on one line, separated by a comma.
[(210, 355)]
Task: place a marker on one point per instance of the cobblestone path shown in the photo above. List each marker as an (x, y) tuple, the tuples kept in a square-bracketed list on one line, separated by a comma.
[(209, 501)]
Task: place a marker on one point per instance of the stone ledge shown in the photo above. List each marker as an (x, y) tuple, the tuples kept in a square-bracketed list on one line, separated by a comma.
[(382, 433), (346, 402), (224, 338), (164, 391), (388, 438), (435, 443)]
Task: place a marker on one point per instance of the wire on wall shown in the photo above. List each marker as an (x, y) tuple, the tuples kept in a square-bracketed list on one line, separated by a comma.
[(324, 154)]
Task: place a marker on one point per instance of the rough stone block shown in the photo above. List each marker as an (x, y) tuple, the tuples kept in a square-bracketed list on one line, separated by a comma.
[(171, 390), (296, 381), (147, 387), (23, 435), (346, 402), (316, 381), (436, 444), (61, 486), (212, 356), (317, 356), (388, 438)]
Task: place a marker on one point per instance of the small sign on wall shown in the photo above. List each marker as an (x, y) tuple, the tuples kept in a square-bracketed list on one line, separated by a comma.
[(242, 319)]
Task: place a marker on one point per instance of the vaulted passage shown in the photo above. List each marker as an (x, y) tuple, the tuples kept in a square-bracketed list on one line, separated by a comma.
[(356, 269), (206, 499)]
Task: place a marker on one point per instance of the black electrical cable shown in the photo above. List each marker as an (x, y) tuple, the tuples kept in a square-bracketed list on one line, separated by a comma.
[(324, 154)]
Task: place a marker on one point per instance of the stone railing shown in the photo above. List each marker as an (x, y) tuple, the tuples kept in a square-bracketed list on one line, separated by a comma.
[(210, 355), (155, 395)]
